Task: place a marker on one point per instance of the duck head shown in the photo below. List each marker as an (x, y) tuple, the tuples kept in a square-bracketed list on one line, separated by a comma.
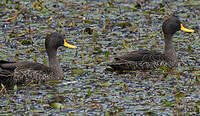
[(172, 25), (55, 40)]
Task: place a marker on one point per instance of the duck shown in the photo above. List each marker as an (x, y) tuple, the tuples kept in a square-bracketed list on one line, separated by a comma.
[(22, 72), (147, 59)]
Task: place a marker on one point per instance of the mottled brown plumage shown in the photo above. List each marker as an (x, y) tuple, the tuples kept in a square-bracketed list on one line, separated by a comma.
[(145, 59), (12, 73)]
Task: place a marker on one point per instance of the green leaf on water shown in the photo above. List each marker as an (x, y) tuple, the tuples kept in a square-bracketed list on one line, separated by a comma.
[(96, 35), (179, 94), (198, 102), (106, 54), (169, 103), (26, 42), (45, 60), (15, 88), (193, 2), (50, 96), (87, 21), (178, 76), (77, 72), (197, 109), (89, 92), (44, 10), (57, 105), (124, 25), (107, 84), (107, 113), (164, 68)]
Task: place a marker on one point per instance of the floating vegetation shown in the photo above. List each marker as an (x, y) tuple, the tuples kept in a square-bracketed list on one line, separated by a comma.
[(101, 29)]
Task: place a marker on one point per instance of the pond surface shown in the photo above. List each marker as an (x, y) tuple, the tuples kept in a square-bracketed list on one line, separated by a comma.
[(101, 29)]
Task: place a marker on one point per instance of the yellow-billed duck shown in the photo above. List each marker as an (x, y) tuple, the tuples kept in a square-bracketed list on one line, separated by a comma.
[(12, 73), (147, 60)]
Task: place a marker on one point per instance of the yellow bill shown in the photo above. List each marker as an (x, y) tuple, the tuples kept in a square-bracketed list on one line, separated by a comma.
[(68, 45), (185, 29)]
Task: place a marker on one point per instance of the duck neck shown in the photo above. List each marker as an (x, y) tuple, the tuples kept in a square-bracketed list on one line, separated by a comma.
[(169, 48), (54, 63)]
